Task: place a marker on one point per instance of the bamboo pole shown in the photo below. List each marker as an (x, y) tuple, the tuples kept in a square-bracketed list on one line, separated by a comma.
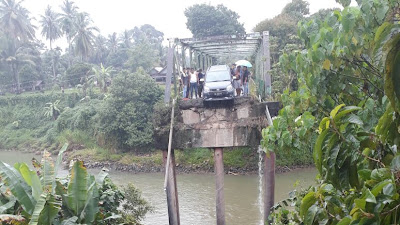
[(170, 186)]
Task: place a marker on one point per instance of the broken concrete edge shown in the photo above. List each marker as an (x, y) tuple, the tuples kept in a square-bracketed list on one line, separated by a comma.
[(238, 126)]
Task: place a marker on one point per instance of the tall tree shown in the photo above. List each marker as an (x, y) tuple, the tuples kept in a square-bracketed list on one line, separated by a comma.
[(150, 35), (68, 16), (126, 39), (283, 37), (205, 20), (51, 30), (15, 20), (84, 35), (50, 25), (15, 23), (100, 51), (112, 42), (297, 9), (142, 55)]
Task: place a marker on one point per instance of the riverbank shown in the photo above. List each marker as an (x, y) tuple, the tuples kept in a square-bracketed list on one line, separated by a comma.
[(237, 161)]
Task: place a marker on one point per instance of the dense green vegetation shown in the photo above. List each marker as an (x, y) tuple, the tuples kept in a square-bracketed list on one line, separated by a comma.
[(40, 197), (284, 38), (120, 121), (345, 112)]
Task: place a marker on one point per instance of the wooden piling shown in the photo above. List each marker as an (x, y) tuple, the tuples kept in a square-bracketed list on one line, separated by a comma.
[(172, 190), (219, 186), (269, 184)]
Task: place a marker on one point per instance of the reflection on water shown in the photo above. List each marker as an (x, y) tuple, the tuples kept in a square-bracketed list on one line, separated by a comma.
[(196, 193)]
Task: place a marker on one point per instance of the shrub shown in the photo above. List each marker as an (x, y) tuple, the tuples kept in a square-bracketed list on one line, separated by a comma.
[(126, 118)]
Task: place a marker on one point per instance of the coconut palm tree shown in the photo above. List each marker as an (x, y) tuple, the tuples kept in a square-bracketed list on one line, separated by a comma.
[(51, 30), (85, 36), (67, 18), (50, 25), (112, 42), (100, 52), (15, 23), (15, 58), (126, 39)]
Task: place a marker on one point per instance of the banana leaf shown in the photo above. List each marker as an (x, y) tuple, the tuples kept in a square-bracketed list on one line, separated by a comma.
[(31, 178), (92, 203), (38, 209), (18, 187), (77, 188), (47, 171), (50, 210)]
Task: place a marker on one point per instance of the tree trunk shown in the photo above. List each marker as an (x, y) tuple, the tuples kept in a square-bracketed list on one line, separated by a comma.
[(16, 77), (69, 52), (52, 61)]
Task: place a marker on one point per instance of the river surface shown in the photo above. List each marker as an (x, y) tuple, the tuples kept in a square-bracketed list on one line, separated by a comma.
[(197, 193)]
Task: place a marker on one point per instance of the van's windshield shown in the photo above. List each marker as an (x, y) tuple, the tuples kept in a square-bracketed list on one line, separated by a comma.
[(214, 76)]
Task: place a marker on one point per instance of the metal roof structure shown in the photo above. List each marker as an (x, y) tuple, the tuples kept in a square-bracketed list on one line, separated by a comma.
[(216, 46), (205, 52)]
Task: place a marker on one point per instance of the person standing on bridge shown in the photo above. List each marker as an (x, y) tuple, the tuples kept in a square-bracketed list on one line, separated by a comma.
[(236, 81), (185, 82), (233, 70), (201, 82), (245, 81), (194, 80)]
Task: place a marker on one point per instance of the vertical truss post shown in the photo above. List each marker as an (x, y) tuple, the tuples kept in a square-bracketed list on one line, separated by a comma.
[(267, 63), (202, 62), (178, 74), (183, 56), (175, 68), (170, 65), (190, 57), (198, 60)]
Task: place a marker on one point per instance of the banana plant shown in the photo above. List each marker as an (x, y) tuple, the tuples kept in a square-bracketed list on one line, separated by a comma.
[(41, 196), (52, 109), (38, 196), (35, 193)]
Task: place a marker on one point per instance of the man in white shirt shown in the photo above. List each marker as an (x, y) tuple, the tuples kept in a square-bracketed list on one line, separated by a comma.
[(194, 80)]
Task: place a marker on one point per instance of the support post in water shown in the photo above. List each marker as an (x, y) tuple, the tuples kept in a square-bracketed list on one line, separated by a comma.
[(219, 185), (172, 190), (269, 183)]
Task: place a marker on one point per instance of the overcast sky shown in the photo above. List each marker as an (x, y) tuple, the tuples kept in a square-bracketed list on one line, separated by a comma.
[(166, 15)]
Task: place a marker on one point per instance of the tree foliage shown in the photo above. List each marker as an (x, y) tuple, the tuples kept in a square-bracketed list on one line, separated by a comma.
[(206, 20), (127, 116), (24, 60), (346, 74), (283, 37)]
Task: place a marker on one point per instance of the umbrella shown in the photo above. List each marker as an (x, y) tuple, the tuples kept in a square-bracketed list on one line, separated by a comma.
[(243, 63)]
